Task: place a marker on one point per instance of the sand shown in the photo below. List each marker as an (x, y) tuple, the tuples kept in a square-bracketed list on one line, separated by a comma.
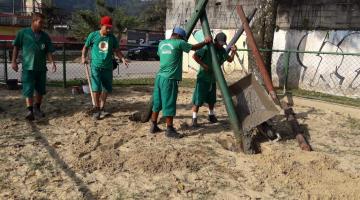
[(67, 155)]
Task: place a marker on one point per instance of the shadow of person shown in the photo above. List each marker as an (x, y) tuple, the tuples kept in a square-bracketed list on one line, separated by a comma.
[(82, 187)]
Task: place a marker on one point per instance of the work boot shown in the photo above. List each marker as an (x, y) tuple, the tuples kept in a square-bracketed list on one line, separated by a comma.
[(30, 116), (154, 128), (194, 123), (38, 113), (96, 115), (213, 119), (103, 113), (172, 133)]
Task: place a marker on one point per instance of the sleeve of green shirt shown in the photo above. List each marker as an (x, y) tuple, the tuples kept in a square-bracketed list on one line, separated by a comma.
[(49, 45), (200, 53), (116, 43), (18, 39), (224, 56), (184, 46), (88, 41)]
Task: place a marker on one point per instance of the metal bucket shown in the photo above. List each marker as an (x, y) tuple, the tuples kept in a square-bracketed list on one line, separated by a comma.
[(252, 103)]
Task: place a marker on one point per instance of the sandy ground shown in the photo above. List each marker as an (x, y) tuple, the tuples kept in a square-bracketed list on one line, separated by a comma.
[(69, 156)]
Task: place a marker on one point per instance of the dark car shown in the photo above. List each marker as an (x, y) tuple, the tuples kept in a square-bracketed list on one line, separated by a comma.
[(144, 52)]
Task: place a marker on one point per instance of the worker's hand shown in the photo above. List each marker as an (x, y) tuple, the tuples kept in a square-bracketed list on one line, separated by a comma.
[(125, 61), (84, 60), (206, 67), (15, 66), (53, 67), (234, 49), (207, 39)]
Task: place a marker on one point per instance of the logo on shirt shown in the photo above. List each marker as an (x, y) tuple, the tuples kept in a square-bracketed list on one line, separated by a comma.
[(42, 46), (164, 48), (103, 46)]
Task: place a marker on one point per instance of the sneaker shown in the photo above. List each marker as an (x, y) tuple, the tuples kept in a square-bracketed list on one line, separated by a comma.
[(213, 119), (30, 116), (38, 113), (103, 113), (172, 133), (154, 128), (194, 123), (96, 115)]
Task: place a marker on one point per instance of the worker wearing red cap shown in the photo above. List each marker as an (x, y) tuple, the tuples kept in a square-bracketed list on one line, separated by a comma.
[(103, 46)]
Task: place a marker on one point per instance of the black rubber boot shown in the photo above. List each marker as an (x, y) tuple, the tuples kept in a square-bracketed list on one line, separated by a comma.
[(172, 133), (154, 128), (194, 123), (213, 119)]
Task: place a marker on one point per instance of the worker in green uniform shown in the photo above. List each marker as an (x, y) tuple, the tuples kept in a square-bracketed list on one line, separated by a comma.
[(205, 89), (103, 46), (165, 93), (35, 46)]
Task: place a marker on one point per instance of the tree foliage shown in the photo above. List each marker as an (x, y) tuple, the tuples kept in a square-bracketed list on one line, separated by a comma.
[(154, 17), (85, 21)]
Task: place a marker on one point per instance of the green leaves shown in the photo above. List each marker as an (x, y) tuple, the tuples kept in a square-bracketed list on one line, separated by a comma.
[(152, 18)]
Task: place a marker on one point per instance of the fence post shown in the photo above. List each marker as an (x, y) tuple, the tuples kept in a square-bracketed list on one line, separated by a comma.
[(286, 70), (5, 64), (64, 66)]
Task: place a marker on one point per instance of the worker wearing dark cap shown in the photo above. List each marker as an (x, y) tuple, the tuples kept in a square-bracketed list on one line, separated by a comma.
[(205, 89), (165, 93)]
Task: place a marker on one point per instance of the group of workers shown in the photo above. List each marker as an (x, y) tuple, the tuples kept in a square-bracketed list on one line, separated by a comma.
[(36, 45)]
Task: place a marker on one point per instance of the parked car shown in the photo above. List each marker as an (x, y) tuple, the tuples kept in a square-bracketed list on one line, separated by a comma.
[(144, 52)]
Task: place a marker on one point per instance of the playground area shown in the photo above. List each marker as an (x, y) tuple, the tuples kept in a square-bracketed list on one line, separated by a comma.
[(67, 155)]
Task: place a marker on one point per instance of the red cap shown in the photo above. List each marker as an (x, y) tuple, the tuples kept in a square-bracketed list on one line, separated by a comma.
[(106, 21)]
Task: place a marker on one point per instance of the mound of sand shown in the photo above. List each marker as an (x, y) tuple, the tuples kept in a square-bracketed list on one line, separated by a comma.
[(67, 155)]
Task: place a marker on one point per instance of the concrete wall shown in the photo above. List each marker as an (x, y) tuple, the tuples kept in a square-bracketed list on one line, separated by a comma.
[(333, 74), (322, 26), (221, 13), (319, 14), (222, 18)]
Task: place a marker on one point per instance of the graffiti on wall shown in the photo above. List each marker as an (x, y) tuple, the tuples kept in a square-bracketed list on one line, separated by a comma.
[(334, 71), (325, 61)]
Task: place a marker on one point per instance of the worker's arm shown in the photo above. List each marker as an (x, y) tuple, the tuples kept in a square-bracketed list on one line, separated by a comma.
[(84, 53), (15, 54), (200, 62), (233, 53), (51, 60), (18, 42), (200, 45), (121, 57)]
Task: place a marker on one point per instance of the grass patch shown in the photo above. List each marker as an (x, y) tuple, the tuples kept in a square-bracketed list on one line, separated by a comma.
[(325, 97), (353, 123)]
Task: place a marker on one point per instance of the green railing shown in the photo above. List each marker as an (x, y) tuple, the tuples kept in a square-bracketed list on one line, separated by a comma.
[(336, 73)]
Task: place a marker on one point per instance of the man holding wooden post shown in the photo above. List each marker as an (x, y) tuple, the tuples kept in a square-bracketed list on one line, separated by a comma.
[(170, 52), (103, 46)]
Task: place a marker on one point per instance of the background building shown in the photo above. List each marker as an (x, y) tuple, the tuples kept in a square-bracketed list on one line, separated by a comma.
[(299, 25)]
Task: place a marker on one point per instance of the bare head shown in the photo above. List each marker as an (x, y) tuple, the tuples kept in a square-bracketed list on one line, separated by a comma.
[(38, 21)]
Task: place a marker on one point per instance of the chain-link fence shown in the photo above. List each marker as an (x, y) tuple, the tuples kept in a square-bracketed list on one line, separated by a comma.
[(144, 63), (335, 73)]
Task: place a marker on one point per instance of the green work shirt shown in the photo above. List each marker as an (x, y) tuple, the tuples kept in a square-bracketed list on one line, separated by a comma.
[(35, 47), (102, 49), (205, 55), (170, 52)]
